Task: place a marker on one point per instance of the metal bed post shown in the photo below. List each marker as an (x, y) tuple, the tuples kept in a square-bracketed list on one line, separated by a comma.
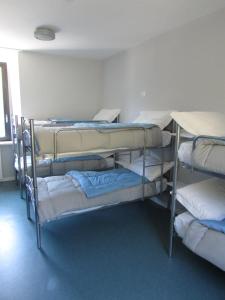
[(161, 171), (19, 157), (35, 189), (143, 174), (173, 202), (14, 144), (162, 165), (25, 167)]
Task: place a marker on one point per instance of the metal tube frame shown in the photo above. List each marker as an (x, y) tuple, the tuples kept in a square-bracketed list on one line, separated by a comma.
[(174, 191), (35, 187), (25, 168), (18, 142), (34, 175), (13, 128)]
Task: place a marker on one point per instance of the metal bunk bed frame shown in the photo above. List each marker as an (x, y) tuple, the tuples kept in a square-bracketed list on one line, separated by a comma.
[(32, 193), (32, 186), (18, 146), (175, 176)]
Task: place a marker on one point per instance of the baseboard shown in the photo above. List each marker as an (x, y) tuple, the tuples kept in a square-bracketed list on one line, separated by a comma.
[(7, 179)]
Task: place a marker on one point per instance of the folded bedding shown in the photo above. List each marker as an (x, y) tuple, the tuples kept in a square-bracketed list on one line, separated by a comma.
[(61, 195), (214, 224), (152, 172), (108, 115), (160, 118), (102, 182), (208, 155), (202, 240), (201, 123), (205, 199)]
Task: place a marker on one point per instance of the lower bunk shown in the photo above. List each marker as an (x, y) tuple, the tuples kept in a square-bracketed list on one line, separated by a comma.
[(202, 226), (203, 241), (78, 192), (48, 167)]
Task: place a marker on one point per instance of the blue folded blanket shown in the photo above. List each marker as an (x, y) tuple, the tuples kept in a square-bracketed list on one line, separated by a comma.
[(99, 126), (213, 224), (102, 182), (71, 121), (78, 158)]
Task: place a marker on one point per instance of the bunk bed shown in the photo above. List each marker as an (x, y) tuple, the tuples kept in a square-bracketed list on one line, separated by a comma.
[(45, 166), (201, 224), (59, 196)]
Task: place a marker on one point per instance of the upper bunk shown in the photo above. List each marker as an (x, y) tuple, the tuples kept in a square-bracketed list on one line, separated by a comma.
[(88, 138), (205, 149)]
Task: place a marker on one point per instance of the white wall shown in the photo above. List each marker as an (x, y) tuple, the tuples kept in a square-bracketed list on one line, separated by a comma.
[(183, 70), (6, 149), (57, 86)]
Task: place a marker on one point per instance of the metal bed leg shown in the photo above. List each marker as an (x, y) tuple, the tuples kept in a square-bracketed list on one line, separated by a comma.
[(38, 229), (143, 173), (35, 187), (161, 171), (173, 203), (28, 206)]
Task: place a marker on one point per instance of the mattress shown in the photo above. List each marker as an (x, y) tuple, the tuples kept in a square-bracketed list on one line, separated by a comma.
[(45, 168), (85, 141), (207, 156), (207, 243), (60, 195)]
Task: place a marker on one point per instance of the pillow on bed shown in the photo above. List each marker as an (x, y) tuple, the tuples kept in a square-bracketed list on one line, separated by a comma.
[(160, 118), (107, 115), (205, 199)]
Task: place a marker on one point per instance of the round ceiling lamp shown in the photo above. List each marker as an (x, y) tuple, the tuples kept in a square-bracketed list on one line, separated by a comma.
[(44, 34)]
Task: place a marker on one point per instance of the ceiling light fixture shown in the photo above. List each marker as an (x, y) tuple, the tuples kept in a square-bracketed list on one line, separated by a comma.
[(44, 34)]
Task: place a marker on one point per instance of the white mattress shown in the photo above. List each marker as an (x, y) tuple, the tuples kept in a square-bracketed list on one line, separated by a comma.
[(208, 155), (45, 168), (59, 195), (77, 142), (207, 243)]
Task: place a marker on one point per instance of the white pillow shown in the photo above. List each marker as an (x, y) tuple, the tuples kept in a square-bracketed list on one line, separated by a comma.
[(160, 118), (205, 199), (107, 115)]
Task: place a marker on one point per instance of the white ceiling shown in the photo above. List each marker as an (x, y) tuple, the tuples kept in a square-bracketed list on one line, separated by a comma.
[(95, 28)]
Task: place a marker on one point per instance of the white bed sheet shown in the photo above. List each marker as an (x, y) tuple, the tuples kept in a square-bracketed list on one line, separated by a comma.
[(59, 195)]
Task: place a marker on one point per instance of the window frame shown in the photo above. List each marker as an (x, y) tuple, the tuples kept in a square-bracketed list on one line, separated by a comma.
[(5, 90)]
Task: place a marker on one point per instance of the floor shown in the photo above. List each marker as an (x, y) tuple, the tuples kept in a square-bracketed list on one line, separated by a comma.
[(114, 254)]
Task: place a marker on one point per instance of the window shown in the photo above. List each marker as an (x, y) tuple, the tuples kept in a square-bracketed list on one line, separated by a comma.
[(5, 132)]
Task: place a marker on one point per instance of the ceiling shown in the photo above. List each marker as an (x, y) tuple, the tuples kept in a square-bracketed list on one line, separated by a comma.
[(95, 28)]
